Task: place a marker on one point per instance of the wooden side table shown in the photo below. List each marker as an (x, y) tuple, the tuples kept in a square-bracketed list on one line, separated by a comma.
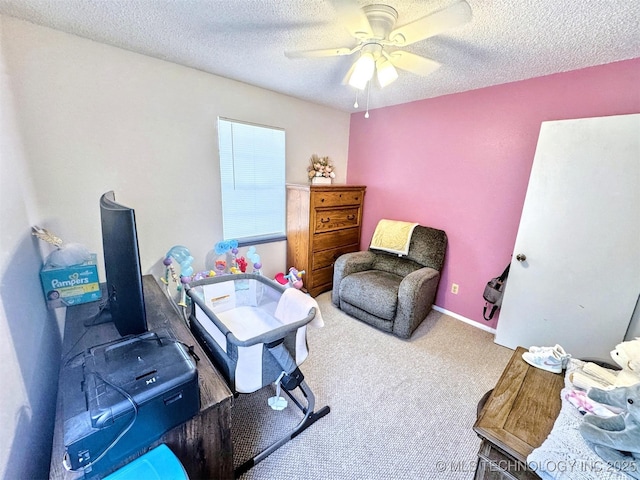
[(516, 418)]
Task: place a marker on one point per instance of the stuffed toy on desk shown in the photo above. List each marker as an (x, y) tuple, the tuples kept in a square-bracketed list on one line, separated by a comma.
[(616, 439)]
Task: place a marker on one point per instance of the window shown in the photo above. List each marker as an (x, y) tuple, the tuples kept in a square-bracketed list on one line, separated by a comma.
[(252, 176)]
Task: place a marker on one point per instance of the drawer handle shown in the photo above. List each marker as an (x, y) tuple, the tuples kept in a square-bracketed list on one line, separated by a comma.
[(327, 220), (351, 217)]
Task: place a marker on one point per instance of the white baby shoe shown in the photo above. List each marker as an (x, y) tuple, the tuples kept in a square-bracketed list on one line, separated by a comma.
[(557, 349), (552, 359)]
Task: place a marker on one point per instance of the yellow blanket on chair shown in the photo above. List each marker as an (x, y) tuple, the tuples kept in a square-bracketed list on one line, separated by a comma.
[(393, 236)]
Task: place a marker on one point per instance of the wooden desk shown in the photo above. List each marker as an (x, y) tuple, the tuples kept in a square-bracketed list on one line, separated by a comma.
[(203, 443), (516, 419)]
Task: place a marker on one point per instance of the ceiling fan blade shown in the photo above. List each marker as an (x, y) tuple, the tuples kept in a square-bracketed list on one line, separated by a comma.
[(353, 18), (450, 17), (413, 63), (325, 52)]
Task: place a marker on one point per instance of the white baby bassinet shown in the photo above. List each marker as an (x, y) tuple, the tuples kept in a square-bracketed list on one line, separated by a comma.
[(254, 330)]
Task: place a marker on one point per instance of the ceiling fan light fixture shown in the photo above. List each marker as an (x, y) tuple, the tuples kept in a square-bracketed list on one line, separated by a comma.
[(363, 71), (386, 72), (374, 28)]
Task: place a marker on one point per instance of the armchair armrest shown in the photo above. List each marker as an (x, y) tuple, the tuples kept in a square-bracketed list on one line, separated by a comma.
[(415, 297), (347, 264)]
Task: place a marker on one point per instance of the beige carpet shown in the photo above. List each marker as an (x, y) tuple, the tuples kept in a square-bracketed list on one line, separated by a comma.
[(399, 409)]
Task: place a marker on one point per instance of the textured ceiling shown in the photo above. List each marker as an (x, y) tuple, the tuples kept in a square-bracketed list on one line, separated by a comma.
[(245, 40)]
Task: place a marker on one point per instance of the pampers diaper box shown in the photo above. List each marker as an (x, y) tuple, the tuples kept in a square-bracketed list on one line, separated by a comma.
[(66, 286)]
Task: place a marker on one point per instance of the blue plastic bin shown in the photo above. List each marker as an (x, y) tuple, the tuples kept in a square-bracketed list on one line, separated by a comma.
[(157, 464)]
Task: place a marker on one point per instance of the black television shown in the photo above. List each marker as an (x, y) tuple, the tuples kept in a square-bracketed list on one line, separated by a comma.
[(125, 296)]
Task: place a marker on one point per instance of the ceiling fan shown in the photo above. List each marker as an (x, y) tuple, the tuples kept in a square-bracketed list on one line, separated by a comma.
[(380, 42)]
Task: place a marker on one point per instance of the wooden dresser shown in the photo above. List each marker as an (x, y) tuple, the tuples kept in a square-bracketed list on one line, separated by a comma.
[(323, 222)]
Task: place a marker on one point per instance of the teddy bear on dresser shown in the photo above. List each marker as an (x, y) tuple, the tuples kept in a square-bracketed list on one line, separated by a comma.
[(616, 439)]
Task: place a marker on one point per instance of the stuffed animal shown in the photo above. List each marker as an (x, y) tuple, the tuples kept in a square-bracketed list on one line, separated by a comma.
[(627, 357), (616, 439)]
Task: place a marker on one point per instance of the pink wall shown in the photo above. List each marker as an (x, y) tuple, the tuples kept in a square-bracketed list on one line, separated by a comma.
[(461, 163)]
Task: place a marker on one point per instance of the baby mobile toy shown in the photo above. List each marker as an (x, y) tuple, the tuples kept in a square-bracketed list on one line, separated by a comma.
[(181, 255), (232, 264), (228, 264), (255, 260)]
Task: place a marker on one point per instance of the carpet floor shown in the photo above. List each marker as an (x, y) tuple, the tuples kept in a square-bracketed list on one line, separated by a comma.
[(400, 409)]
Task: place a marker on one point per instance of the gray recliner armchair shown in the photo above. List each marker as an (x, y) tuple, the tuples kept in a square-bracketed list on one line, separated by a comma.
[(390, 292)]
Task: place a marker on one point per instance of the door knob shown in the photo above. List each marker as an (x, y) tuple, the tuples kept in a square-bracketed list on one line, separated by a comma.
[(521, 257)]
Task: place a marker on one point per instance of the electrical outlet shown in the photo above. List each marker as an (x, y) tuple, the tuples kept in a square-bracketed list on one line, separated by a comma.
[(454, 288)]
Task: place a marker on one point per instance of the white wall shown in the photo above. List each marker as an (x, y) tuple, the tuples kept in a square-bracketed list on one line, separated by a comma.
[(30, 337), (80, 118), (95, 118)]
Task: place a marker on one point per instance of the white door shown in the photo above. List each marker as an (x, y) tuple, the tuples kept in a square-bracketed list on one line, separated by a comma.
[(580, 234)]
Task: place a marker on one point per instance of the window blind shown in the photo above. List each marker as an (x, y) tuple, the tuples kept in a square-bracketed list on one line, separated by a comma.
[(252, 176)]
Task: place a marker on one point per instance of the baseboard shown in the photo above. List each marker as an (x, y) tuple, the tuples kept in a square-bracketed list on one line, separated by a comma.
[(464, 319)]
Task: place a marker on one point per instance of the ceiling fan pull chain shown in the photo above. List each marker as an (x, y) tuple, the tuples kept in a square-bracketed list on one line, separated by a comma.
[(366, 115), (355, 105)]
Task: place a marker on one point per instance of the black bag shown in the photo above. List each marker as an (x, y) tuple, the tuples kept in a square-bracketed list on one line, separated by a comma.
[(493, 294)]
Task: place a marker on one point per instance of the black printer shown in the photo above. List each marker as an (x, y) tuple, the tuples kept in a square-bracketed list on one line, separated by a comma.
[(123, 396)]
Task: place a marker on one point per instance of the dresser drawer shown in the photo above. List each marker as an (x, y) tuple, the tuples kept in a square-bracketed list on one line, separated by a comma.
[(334, 219), (336, 199), (322, 277), (332, 240), (325, 258)]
